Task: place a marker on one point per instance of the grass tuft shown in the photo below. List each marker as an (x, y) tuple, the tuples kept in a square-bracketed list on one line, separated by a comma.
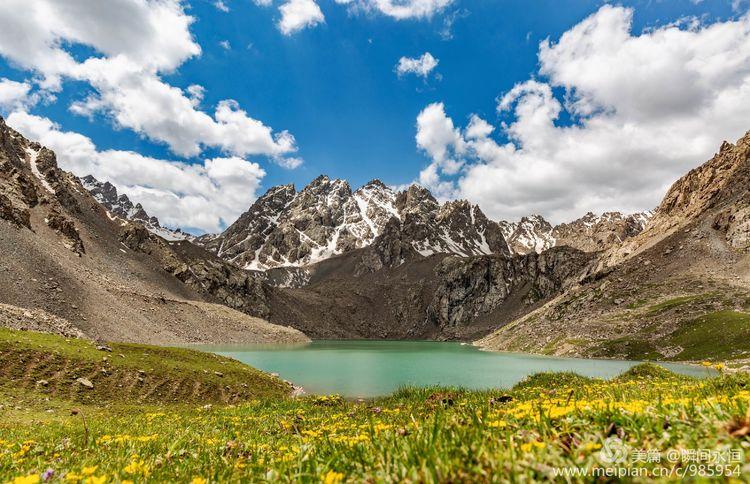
[(553, 380), (648, 371)]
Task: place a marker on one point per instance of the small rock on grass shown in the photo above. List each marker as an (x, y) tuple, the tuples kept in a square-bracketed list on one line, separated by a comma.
[(85, 382)]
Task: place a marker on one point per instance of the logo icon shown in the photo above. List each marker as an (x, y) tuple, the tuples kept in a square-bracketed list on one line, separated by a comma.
[(614, 451)]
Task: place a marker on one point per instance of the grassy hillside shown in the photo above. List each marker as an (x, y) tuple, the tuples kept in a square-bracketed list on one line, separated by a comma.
[(74, 369), (679, 319), (544, 424)]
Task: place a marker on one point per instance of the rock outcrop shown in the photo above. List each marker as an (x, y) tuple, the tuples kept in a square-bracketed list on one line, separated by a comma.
[(679, 289), (469, 288), (717, 193)]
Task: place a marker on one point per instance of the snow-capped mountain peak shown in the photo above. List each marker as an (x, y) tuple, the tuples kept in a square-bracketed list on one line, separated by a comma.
[(326, 218), (289, 228)]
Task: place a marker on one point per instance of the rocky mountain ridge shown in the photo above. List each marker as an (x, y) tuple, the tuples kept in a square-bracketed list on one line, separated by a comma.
[(719, 187), (590, 233), (372, 263), (74, 265), (120, 206), (286, 228)]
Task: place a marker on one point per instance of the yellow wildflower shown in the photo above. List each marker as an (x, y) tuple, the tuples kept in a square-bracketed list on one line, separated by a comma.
[(497, 424), (531, 445), (589, 446), (96, 480), (30, 479), (333, 477), (89, 471), (198, 480), (137, 466)]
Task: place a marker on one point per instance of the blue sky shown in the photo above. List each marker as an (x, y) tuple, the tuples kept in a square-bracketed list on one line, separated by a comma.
[(333, 85)]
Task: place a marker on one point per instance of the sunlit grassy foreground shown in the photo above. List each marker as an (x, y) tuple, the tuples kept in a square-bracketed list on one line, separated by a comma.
[(548, 422)]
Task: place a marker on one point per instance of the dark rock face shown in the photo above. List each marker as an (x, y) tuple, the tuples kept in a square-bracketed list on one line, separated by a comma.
[(29, 176), (16, 215), (57, 221), (232, 287), (471, 287)]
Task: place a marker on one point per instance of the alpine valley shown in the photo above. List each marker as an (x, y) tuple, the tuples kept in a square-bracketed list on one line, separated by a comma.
[(331, 262)]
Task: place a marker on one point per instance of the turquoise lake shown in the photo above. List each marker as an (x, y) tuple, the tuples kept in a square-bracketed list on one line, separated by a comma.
[(374, 368)]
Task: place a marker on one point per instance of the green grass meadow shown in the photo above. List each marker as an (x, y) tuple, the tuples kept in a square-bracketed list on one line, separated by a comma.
[(532, 432)]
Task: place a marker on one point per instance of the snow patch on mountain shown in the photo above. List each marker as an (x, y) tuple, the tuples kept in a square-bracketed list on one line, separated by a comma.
[(33, 154)]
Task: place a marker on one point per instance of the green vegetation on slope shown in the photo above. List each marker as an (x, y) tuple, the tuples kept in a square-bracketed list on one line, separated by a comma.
[(626, 348), (676, 302), (75, 369), (716, 335), (547, 422)]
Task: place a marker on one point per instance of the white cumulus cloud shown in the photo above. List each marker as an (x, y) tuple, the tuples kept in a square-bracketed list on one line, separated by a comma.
[(136, 41), (207, 196), (646, 108), (400, 9), (419, 66), (299, 14), (15, 95)]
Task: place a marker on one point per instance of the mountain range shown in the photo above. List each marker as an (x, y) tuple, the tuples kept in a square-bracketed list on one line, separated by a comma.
[(286, 228), (331, 262)]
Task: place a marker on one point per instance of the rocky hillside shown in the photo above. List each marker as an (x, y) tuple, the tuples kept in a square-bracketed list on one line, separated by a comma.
[(679, 290), (120, 206), (372, 263), (286, 228), (590, 233), (718, 190), (367, 293), (70, 266)]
